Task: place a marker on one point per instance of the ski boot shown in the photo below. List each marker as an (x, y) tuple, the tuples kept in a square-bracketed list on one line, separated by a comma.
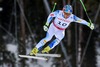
[(46, 50), (34, 52)]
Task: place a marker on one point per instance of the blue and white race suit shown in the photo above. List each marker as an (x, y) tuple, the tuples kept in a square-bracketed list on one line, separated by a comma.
[(58, 26)]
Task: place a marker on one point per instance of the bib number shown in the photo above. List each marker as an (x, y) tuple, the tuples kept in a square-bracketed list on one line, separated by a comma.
[(62, 24)]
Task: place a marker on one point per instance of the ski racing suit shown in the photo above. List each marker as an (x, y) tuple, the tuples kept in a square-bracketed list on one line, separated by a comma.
[(57, 27)]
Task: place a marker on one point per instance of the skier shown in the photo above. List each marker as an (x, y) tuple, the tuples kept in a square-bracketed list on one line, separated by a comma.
[(60, 20)]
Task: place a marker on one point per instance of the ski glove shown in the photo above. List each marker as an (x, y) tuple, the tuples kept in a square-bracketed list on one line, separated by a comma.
[(91, 25), (45, 27)]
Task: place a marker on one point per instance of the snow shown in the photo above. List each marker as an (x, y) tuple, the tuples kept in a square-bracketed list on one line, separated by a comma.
[(6, 65), (38, 63), (30, 62), (98, 55), (12, 48)]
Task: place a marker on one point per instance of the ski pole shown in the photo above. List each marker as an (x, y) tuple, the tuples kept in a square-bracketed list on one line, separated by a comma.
[(54, 7), (85, 11)]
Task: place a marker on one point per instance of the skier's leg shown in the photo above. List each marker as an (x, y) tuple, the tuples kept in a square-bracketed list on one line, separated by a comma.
[(44, 41), (40, 44), (49, 35), (59, 36), (51, 45)]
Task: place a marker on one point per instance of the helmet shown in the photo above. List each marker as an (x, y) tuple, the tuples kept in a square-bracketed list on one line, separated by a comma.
[(67, 8)]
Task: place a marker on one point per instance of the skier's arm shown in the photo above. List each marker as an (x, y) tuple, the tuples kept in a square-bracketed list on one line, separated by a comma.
[(51, 15), (49, 19), (81, 21)]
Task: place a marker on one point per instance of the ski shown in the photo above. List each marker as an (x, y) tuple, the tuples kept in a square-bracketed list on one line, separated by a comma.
[(34, 57), (48, 55)]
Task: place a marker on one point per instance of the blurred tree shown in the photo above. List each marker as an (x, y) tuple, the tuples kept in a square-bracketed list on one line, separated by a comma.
[(36, 16)]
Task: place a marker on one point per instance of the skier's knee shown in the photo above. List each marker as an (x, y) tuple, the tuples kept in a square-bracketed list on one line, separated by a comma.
[(44, 41)]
